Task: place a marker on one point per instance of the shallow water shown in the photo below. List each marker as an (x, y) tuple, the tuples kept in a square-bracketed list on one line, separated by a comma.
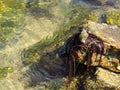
[(34, 31)]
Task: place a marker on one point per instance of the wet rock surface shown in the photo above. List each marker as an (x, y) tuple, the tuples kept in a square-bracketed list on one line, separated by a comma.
[(111, 61), (110, 36), (108, 68)]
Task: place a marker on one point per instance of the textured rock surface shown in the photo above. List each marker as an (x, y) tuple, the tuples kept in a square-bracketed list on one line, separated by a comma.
[(110, 63), (107, 73), (108, 68), (111, 36), (108, 77)]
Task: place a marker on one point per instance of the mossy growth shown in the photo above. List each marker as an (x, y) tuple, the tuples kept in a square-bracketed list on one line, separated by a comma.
[(5, 70), (42, 8), (61, 84), (113, 18), (39, 9), (33, 53), (110, 17), (76, 17), (11, 13), (94, 17)]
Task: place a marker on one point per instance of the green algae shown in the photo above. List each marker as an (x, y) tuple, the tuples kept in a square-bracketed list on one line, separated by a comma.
[(94, 16), (75, 17), (113, 17), (110, 17), (11, 13), (5, 70)]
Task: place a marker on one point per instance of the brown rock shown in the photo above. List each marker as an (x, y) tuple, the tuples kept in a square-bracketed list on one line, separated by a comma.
[(110, 36)]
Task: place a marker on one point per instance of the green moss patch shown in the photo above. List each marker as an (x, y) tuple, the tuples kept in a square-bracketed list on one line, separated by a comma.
[(110, 17), (5, 70), (76, 17), (11, 13), (113, 17)]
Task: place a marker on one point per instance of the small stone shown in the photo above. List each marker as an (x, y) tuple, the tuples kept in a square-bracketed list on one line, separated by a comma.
[(118, 67)]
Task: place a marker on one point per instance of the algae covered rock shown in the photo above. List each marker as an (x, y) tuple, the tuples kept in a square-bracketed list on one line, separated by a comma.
[(113, 18), (110, 37), (85, 48), (110, 62)]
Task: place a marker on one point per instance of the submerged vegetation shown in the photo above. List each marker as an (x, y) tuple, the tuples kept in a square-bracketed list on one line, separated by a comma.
[(10, 15), (113, 18), (76, 17), (94, 16), (110, 17), (12, 11), (5, 70), (41, 8)]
